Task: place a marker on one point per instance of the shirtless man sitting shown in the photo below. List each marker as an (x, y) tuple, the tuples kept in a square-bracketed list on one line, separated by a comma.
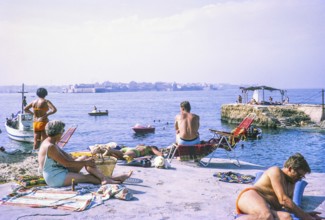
[(272, 194), (187, 126)]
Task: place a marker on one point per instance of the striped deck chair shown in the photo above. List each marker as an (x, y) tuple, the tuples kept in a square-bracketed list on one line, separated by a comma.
[(191, 152), (229, 140), (66, 137)]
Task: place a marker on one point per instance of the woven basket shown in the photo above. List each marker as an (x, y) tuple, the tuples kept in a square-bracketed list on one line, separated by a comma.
[(107, 165)]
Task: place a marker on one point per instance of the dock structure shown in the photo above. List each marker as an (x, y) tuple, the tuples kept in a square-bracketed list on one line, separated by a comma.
[(275, 116)]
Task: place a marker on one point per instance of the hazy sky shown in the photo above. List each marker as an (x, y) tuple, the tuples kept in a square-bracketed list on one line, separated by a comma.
[(279, 43)]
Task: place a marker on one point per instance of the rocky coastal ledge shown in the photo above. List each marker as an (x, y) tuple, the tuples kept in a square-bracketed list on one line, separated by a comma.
[(274, 116), (12, 165)]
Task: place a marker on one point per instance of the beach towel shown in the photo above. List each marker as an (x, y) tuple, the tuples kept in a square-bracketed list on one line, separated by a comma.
[(232, 177), (39, 198), (84, 197)]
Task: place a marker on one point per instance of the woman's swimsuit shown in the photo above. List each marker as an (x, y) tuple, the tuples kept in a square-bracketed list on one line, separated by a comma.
[(40, 125), (39, 109), (54, 173), (144, 150)]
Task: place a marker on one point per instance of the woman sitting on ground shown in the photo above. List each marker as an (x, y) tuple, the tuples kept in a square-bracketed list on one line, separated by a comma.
[(59, 168)]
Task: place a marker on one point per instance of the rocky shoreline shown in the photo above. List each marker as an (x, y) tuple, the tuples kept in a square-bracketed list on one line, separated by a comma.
[(275, 116), (12, 165)]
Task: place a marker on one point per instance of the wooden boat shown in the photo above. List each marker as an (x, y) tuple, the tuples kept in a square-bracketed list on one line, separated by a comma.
[(20, 125), (98, 113), (143, 129)]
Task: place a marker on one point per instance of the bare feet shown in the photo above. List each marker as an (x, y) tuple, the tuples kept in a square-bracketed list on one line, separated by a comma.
[(123, 177), (117, 179), (108, 180)]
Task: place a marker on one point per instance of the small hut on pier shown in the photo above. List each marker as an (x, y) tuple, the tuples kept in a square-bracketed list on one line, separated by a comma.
[(259, 95)]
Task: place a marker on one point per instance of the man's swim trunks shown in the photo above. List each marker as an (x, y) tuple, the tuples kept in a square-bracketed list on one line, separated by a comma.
[(39, 125), (181, 141), (238, 211)]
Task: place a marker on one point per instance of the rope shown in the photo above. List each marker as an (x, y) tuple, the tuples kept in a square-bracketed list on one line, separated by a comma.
[(312, 96)]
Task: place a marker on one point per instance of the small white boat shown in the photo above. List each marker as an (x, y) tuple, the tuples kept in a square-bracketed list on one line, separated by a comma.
[(98, 113), (20, 126)]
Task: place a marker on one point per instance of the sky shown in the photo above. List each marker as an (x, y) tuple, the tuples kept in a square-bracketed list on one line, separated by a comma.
[(278, 43)]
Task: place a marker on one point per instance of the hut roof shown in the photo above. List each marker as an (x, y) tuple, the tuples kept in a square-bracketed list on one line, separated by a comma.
[(252, 88)]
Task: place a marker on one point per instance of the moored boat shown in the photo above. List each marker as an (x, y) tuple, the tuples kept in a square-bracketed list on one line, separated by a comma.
[(254, 132), (143, 129), (19, 126)]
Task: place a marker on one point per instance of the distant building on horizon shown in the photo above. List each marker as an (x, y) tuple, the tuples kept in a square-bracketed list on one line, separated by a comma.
[(136, 86)]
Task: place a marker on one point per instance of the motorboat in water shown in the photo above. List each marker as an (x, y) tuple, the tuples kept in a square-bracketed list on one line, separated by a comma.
[(98, 113), (143, 129), (19, 126)]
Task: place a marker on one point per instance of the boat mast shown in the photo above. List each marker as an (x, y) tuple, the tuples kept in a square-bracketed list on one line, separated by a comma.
[(323, 108), (22, 98)]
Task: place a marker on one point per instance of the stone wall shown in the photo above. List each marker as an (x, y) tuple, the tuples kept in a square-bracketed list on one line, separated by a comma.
[(274, 116)]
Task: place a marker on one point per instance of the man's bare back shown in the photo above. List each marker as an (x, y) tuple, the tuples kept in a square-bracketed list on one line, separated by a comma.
[(187, 125)]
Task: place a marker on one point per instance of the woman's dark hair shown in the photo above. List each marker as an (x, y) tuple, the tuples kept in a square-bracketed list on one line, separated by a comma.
[(41, 92)]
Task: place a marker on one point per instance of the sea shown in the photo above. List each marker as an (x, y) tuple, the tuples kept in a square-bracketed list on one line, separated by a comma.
[(159, 108)]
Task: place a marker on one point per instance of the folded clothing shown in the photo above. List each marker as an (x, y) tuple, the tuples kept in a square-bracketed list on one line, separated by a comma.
[(114, 190)]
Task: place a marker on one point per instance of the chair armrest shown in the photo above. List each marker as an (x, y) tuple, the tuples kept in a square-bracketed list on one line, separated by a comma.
[(223, 133)]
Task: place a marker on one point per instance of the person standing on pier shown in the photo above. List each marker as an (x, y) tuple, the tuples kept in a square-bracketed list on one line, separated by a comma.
[(240, 99)]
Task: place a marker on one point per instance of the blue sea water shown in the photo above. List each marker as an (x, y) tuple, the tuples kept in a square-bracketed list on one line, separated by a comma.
[(159, 109)]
